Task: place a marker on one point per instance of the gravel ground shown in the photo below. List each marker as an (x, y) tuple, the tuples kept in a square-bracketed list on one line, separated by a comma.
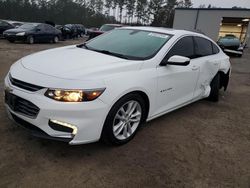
[(202, 145)]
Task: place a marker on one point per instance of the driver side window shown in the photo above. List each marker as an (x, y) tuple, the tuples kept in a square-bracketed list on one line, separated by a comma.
[(184, 47), (40, 27), (3, 24)]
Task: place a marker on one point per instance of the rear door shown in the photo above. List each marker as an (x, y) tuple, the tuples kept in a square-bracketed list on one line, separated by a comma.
[(50, 32), (208, 62)]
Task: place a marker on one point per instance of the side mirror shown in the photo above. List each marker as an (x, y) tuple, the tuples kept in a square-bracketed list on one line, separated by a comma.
[(38, 29), (177, 60)]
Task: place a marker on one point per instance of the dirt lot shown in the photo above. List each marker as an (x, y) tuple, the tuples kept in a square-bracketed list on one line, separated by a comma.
[(202, 145)]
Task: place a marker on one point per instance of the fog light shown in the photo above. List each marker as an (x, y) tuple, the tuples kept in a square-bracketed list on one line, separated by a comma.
[(54, 125)]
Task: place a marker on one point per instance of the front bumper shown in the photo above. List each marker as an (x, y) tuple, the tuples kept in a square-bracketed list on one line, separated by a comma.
[(88, 117), (238, 52), (34, 130), (233, 49), (15, 37)]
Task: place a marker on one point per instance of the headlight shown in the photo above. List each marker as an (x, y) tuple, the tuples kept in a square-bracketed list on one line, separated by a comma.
[(20, 34), (74, 95)]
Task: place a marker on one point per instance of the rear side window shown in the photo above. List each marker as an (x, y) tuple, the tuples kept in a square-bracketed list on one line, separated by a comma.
[(215, 49), (203, 47), (184, 47), (4, 24), (49, 28), (41, 27)]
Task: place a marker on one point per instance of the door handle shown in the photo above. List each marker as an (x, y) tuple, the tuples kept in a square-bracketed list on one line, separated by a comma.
[(195, 68)]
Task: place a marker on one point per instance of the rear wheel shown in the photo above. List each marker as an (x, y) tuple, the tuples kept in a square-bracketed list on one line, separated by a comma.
[(215, 88), (56, 39), (124, 119), (11, 40), (30, 40)]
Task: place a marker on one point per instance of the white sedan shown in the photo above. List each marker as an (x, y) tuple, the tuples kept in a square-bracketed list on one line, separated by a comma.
[(106, 88)]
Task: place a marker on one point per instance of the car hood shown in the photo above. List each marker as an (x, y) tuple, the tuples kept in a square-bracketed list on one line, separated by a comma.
[(228, 42), (77, 63), (98, 32), (17, 30)]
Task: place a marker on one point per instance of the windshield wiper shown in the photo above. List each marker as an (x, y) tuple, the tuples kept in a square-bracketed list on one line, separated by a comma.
[(110, 53), (103, 51), (82, 45)]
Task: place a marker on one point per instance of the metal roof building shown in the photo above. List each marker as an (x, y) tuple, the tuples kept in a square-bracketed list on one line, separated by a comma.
[(215, 22)]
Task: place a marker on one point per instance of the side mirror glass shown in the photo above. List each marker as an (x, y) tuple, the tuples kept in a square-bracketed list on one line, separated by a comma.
[(178, 60)]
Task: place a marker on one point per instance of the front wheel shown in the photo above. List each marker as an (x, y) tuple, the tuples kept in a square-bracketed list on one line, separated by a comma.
[(11, 40), (215, 88), (124, 119), (30, 40)]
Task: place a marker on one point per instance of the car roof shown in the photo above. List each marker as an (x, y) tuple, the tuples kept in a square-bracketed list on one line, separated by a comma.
[(12, 21), (164, 30), (115, 25)]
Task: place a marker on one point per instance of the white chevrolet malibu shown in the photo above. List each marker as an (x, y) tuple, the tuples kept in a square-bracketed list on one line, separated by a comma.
[(106, 88)]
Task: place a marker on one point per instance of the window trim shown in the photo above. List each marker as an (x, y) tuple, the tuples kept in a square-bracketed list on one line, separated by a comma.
[(196, 46), (188, 35), (218, 49), (173, 44)]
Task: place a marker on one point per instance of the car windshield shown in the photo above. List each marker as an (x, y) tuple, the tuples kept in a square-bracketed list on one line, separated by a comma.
[(129, 43), (228, 38), (28, 26), (107, 28), (68, 25), (2, 23)]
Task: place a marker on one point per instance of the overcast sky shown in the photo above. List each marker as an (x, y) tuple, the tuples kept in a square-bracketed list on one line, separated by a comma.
[(223, 3)]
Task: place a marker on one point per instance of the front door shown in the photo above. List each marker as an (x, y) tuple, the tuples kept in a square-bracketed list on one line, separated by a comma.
[(176, 84)]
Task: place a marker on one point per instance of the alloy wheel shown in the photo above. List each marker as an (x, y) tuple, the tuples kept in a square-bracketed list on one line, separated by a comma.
[(127, 120), (56, 39)]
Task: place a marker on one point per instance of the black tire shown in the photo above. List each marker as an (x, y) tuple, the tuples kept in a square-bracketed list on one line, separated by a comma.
[(55, 39), (30, 40), (108, 136), (11, 40), (215, 88)]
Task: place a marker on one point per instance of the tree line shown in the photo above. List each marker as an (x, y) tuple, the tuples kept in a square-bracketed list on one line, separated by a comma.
[(93, 12)]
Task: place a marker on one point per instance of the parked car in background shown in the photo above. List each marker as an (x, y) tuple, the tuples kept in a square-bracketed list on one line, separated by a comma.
[(4, 25), (69, 31), (81, 31), (16, 24), (89, 30), (59, 27), (231, 44), (103, 29), (33, 32), (94, 91)]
